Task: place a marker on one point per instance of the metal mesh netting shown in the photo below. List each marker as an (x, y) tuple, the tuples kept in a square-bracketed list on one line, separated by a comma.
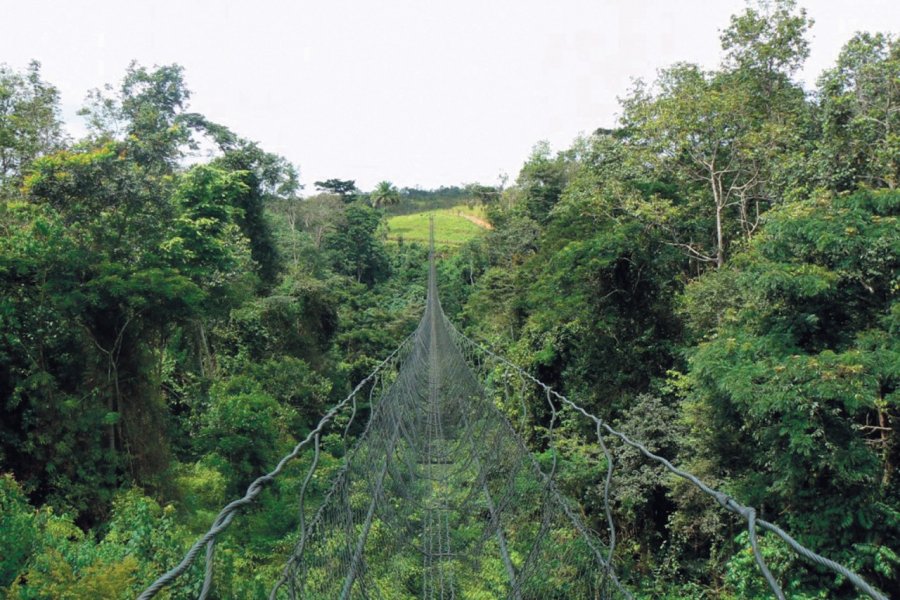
[(440, 498)]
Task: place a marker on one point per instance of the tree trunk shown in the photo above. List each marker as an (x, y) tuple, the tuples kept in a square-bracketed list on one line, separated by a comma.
[(716, 184), (886, 445), (720, 238)]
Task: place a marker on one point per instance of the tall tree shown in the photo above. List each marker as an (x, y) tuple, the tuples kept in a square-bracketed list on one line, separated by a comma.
[(541, 182), (148, 113), (266, 178), (792, 392), (384, 194), (345, 188), (30, 123), (859, 106), (356, 248), (694, 131), (320, 215), (767, 41), (722, 135), (124, 297)]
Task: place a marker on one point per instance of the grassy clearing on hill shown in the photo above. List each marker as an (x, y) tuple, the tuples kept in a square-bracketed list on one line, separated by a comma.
[(451, 227)]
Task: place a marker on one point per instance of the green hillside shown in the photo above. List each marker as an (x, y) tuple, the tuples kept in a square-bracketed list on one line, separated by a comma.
[(451, 226)]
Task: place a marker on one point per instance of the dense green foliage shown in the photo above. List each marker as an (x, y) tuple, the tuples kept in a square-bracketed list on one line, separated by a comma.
[(718, 276), (167, 331)]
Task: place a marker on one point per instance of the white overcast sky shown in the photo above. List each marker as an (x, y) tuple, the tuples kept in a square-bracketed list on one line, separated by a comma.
[(416, 92)]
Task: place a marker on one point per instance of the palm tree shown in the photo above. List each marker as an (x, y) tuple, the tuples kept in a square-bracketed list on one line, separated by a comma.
[(384, 194)]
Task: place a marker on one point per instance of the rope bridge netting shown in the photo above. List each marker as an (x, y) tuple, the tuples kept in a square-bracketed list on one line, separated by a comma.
[(440, 496)]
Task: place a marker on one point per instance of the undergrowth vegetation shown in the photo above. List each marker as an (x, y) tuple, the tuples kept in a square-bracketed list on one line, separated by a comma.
[(718, 276)]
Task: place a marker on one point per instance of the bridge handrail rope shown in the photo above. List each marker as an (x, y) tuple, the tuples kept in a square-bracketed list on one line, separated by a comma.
[(380, 411), (227, 514), (559, 499), (341, 474), (728, 503), (413, 393)]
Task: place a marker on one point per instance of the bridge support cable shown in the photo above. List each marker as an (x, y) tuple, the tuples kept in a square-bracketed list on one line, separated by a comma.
[(377, 492), (437, 576), (726, 502), (556, 503), (510, 450), (496, 524), (227, 514), (374, 454), (441, 495)]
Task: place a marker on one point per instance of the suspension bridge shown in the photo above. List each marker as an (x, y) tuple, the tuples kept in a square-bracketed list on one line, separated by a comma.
[(440, 496)]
